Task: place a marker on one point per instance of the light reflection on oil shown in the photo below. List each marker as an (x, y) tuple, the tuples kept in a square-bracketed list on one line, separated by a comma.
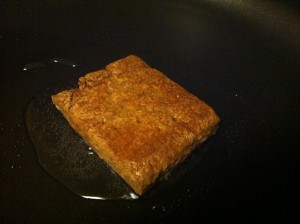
[(48, 62)]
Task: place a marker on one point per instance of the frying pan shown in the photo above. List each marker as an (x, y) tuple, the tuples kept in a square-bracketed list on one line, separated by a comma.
[(241, 57)]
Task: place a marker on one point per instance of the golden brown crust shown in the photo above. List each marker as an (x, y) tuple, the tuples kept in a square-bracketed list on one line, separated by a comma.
[(136, 119)]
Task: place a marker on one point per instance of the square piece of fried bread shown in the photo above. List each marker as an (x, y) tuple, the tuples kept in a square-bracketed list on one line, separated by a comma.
[(137, 120)]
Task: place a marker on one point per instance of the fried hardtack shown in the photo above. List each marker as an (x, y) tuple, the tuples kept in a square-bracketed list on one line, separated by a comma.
[(136, 119)]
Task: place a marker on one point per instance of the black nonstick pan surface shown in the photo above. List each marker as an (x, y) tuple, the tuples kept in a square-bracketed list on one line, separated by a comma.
[(241, 57)]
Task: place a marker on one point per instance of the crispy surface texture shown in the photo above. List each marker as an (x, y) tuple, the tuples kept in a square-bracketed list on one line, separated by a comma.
[(136, 119)]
